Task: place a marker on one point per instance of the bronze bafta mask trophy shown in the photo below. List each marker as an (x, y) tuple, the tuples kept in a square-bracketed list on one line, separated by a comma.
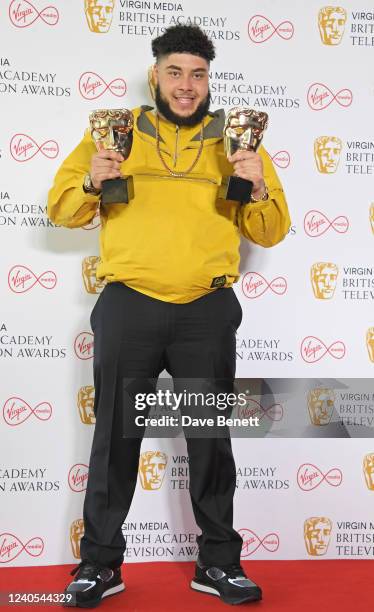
[(244, 130), (111, 129)]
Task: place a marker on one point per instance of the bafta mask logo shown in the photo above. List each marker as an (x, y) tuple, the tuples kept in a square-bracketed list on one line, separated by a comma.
[(370, 343), (86, 400), (371, 216), (317, 532), (99, 15), (331, 24), (323, 276), (76, 533), (320, 405), (91, 283), (152, 468), (368, 466), (327, 151)]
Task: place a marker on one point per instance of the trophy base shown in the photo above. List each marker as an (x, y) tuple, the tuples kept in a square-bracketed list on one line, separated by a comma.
[(117, 191), (236, 188)]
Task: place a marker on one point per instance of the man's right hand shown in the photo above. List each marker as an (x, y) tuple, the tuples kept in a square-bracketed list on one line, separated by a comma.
[(105, 165)]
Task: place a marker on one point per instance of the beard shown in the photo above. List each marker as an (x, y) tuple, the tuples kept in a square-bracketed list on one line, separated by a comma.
[(196, 117)]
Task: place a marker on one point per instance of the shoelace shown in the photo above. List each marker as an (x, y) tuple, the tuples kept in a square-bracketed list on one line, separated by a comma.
[(233, 571), (85, 569)]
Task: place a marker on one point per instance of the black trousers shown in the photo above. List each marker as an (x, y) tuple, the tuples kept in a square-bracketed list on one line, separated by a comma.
[(138, 336)]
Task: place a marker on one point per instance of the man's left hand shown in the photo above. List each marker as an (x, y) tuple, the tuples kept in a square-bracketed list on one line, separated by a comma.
[(248, 165)]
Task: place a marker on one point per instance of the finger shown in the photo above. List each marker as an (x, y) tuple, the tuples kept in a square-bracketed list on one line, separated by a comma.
[(249, 168), (252, 174), (103, 176), (105, 164), (242, 173), (99, 178), (254, 165), (240, 155), (108, 154)]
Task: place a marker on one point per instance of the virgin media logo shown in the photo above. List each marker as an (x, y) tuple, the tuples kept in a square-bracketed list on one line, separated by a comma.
[(22, 279), (77, 477), (261, 29), (84, 345), (281, 159), (17, 411), (23, 148), (251, 542), (92, 86), (254, 285), (11, 547), (309, 477), (253, 408), (319, 97), (312, 349), (23, 14), (316, 224)]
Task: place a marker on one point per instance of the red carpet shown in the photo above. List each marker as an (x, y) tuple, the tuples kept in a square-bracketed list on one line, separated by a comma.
[(292, 586)]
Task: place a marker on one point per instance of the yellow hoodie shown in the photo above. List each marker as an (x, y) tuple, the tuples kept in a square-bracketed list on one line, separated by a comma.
[(176, 240)]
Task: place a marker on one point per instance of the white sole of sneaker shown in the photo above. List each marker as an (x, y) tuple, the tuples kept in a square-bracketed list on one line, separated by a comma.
[(203, 588), (113, 590)]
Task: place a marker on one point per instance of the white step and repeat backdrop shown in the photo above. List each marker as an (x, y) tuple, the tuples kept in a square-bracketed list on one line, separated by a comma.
[(308, 302)]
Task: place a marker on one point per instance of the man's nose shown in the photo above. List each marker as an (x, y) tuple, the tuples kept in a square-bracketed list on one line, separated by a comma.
[(185, 83)]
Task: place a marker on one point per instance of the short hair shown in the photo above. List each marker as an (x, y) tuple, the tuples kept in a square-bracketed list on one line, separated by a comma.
[(183, 39)]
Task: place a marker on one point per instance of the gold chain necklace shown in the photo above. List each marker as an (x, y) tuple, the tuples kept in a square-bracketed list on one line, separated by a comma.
[(178, 174)]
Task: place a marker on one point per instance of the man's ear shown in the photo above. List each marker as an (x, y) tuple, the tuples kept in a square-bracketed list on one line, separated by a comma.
[(152, 80), (155, 73)]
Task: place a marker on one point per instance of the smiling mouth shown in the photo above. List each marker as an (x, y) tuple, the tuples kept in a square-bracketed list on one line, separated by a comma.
[(184, 103)]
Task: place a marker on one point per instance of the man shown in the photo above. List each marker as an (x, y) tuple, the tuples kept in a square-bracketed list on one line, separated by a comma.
[(170, 258)]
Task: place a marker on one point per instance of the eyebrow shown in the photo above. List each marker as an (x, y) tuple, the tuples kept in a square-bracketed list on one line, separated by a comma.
[(179, 68)]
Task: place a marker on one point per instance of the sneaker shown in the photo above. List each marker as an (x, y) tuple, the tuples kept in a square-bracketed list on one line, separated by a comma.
[(229, 582), (92, 583)]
